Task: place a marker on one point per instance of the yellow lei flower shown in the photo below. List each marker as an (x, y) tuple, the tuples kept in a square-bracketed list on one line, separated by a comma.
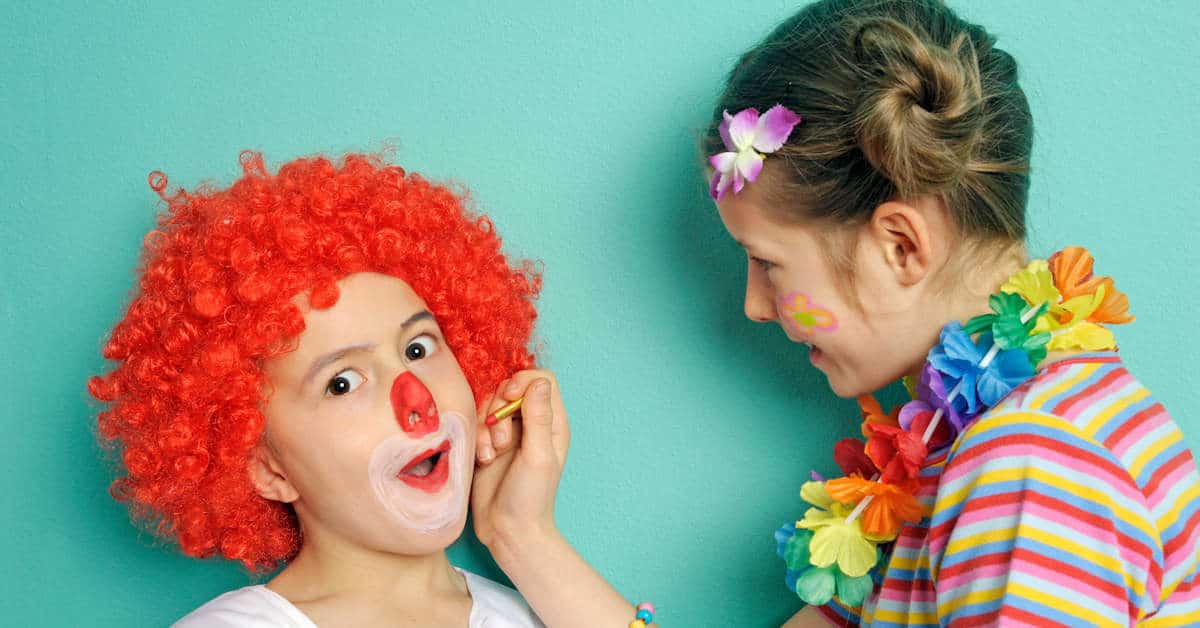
[(1075, 322), (1034, 283), (836, 542), (1070, 328)]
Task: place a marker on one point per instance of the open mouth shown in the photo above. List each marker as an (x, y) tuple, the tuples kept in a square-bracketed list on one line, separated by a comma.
[(428, 470)]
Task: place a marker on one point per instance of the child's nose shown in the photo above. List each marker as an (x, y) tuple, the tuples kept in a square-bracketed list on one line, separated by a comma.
[(758, 305), (413, 404)]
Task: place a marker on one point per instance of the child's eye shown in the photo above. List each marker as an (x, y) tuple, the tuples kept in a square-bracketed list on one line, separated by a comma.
[(344, 382), (420, 348), (763, 264)]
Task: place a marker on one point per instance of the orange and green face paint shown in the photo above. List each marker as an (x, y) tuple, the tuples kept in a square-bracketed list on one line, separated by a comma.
[(803, 316)]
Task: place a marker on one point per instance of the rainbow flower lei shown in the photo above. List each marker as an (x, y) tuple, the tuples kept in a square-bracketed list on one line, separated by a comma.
[(840, 545)]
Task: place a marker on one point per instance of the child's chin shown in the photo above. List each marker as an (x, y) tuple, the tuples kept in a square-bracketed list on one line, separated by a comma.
[(412, 542), (844, 387)]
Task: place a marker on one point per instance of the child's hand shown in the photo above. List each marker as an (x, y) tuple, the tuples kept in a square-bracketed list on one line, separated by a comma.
[(512, 501), (514, 490)]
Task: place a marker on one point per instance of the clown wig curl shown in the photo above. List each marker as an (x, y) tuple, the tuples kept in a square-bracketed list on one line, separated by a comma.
[(214, 299)]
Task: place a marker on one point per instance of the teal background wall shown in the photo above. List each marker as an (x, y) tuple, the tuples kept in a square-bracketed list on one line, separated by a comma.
[(574, 127)]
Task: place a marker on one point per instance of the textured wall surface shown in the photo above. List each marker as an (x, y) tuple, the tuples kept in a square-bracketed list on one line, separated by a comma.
[(574, 127)]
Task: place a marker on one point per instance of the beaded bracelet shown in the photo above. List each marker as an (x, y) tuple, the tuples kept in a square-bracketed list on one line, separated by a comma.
[(645, 615)]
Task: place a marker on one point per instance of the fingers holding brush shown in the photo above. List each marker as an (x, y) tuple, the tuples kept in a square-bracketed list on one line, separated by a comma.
[(502, 432)]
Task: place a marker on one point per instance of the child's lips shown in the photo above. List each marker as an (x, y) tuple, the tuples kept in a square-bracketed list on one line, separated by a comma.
[(435, 465), (815, 354)]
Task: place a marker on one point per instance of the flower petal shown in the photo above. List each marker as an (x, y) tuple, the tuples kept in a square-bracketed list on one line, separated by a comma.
[(723, 162), (843, 544), (849, 490), (815, 494), (880, 450), (721, 182), (796, 553), (932, 389), (739, 181), (791, 577), (1072, 270), (958, 345), (851, 458), (911, 450), (742, 127), (1114, 308), (1007, 371), (891, 507), (1082, 335), (816, 518), (1082, 307), (749, 164), (816, 586), (723, 129), (869, 406), (916, 416), (853, 591), (782, 536), (1034, 283), (774, 127)]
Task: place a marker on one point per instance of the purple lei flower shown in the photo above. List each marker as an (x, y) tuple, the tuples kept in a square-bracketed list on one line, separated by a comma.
[(958, 359), (747, 137), (931, 397)]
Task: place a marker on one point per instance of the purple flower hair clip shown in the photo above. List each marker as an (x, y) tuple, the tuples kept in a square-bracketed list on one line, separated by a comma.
[(748, 137)]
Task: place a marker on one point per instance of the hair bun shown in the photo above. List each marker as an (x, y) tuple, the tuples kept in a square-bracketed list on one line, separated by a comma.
[(919, 112)]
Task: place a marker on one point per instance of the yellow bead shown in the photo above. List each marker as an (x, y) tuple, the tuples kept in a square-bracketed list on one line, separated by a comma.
[(637, 623)]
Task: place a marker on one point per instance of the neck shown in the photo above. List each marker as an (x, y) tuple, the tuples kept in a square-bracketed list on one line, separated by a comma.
[(329, 565), (972, 299)]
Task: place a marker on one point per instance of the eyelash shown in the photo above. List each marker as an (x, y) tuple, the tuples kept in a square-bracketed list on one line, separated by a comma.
[(763, 264)]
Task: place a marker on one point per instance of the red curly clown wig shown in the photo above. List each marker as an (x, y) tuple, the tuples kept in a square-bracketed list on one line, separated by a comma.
[(215, 299)]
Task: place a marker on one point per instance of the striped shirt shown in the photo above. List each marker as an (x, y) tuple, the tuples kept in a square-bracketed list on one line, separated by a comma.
[(1072, 502)]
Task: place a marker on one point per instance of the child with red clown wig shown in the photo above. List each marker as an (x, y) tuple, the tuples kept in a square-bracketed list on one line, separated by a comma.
[(296, 384)]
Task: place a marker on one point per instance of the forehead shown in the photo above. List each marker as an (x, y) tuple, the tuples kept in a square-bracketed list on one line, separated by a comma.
[(746, 219), (369, 308), (364, 299)]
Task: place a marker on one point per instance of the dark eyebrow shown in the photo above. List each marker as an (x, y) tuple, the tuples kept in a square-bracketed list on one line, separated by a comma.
[(333, 356), (423, 315), (330, 358)]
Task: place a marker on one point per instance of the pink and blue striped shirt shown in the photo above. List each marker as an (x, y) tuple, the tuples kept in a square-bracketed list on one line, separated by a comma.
[(1073, 502)]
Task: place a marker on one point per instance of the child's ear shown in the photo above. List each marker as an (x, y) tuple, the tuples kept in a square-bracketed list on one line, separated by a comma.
[(908, 236), (267, 476)]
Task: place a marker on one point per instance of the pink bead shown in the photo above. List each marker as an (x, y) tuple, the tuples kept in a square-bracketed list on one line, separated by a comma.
[(646, 606)]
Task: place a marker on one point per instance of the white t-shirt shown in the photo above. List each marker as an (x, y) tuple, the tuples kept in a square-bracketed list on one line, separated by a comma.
[(493, 605)]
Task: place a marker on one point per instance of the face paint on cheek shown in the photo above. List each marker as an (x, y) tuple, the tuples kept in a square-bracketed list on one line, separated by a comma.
[(803, 316), (436, 500)]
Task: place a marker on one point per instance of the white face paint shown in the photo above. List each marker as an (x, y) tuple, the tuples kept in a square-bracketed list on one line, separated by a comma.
[(425, 496)]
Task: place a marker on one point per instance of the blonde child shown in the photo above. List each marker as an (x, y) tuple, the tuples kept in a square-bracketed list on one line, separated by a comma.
[(872, 158)]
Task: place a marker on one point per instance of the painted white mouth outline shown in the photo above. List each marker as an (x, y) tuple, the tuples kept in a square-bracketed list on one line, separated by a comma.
[(424, 512)]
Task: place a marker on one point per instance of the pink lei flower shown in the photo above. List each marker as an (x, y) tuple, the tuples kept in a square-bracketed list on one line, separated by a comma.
[(747, 137)]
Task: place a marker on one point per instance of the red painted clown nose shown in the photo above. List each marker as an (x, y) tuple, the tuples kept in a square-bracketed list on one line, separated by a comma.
[(413, 404)]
